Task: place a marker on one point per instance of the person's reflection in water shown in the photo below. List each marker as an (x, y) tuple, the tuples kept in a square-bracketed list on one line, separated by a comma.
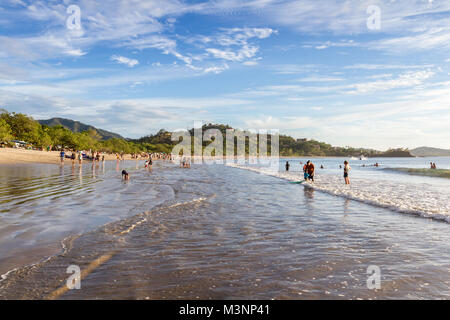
[(309, 198), (309, 193), (347, 206), (93, 170), (80, 173)]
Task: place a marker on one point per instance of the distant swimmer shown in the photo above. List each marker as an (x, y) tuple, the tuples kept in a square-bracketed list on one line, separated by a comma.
[(287, 165), (321, 166), (125, 175), (346, 172)]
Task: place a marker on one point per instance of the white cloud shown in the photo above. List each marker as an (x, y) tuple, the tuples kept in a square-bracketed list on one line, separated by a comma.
[(246, 52), (387, 66), (216, 69), (124, 60), (250, 63), (405, 80), (320, 79)]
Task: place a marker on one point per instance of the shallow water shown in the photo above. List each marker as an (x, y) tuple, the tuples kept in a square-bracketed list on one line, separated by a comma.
[(211, 232)]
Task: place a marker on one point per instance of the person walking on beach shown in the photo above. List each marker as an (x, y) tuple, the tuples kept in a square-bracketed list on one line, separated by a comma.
[(80, 158), (346, 172), (287, 165)]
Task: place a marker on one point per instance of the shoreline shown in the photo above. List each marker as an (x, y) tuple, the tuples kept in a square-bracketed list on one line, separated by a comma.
[(11, 156)]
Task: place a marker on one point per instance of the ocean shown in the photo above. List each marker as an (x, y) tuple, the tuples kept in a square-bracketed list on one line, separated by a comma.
[(234, 231)]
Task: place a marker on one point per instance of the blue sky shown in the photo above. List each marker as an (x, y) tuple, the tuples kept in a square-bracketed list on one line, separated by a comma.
[(312, 68)]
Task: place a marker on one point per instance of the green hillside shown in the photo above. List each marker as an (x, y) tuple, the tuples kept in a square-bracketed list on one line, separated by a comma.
[(430, 152), (76, 126)]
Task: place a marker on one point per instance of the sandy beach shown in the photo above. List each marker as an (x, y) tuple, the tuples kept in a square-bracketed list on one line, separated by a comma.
[(15, 155)]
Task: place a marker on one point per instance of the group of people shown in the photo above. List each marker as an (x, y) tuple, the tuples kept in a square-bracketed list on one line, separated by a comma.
[(432, 165), (309, 170), (185, 162), (79, 155)]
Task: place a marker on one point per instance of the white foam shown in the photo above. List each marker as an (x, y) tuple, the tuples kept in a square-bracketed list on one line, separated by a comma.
[(415, 198)]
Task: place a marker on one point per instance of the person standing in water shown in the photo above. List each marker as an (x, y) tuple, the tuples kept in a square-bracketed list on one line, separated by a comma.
[(311, 170), (62, 155), (305, 171), (287, 165), (346, 172)]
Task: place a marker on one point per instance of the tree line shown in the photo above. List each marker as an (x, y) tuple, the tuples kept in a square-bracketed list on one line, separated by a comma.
[(22, 127), (18, 126)]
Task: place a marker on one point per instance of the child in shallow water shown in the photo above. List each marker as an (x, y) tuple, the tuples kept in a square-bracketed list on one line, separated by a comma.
[(125, 175)]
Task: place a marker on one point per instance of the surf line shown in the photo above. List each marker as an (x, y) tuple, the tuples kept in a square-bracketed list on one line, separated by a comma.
[(106, 257)]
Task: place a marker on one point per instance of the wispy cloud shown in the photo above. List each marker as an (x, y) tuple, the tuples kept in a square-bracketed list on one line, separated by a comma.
[(126, 61)]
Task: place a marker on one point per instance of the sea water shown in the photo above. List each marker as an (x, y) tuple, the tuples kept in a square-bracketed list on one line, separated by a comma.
[(219, 232)]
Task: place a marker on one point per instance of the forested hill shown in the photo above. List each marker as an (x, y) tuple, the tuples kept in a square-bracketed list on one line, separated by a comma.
[(76, 135), (76, 126), (430, 152), (289, 146)]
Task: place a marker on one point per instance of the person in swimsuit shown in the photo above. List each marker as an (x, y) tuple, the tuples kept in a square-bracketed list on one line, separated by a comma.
[(62, 155), (125, 175), (311, 170), (287, 165), (346, 172), (305, 171)]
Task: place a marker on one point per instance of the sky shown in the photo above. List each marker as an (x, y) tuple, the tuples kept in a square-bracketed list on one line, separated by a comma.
[(357, 73)]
